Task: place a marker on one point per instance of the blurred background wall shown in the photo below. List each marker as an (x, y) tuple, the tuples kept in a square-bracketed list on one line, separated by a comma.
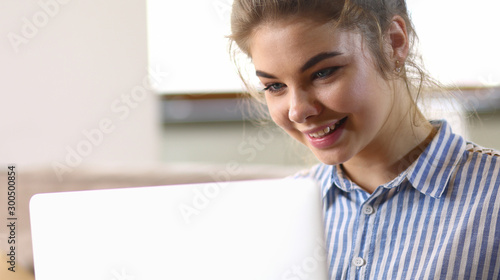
[(79, 89)]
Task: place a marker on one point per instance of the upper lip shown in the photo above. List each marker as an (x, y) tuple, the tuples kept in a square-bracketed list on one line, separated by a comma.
[(322, 127)]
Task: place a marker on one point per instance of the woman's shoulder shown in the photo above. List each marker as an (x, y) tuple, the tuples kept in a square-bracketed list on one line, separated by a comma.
[(483, 162), (453, 152), (474, 148)]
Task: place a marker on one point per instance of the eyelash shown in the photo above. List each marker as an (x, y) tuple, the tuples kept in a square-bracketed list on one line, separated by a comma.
[(329, 72), (269, 87)]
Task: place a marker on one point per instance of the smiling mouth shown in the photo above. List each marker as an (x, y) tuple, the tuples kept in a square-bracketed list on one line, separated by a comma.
[(328, 130)]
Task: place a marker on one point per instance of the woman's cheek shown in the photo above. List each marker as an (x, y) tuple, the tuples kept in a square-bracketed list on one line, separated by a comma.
[(340, 99), (278, 112)]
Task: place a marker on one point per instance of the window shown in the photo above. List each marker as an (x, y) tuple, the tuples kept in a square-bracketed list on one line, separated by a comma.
[(459, 40), (186, 38)]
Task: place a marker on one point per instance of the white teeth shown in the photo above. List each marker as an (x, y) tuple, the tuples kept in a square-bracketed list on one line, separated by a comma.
[(326, 131), (323, 132)]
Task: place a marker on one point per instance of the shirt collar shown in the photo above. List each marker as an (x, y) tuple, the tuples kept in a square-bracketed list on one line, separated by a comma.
[(429, 174)]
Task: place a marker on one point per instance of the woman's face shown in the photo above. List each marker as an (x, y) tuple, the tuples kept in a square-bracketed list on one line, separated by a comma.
[(322, 87)]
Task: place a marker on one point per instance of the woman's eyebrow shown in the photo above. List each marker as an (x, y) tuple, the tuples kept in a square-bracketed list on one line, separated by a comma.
[(264, 74), (310, 63), (317, 58)]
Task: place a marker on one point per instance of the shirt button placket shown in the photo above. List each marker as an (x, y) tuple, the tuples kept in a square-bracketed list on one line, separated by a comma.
[(367, 210)]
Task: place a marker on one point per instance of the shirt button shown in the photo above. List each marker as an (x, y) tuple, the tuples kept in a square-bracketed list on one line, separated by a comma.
[(358, 261), (368, 210)]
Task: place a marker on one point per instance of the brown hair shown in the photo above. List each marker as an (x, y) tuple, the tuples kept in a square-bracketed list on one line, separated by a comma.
[(371, 18)]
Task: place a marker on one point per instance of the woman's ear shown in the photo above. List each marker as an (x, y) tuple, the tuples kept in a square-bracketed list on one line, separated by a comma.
[(397, 37)]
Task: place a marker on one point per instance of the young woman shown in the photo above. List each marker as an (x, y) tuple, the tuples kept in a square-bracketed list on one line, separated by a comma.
[(404, 197)]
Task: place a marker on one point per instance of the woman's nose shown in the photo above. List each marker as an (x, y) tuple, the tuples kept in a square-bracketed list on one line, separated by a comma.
[(303, 105)]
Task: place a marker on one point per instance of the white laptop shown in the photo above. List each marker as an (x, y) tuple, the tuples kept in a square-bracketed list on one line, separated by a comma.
[(264, 229)]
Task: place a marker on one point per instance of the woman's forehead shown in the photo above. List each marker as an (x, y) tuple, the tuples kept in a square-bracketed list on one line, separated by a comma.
[(300, 39)]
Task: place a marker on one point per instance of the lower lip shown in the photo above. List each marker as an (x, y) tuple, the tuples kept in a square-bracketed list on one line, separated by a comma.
[(329, 140)]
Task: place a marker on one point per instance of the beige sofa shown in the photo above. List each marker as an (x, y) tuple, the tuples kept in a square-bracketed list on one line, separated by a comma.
[(42, 180)]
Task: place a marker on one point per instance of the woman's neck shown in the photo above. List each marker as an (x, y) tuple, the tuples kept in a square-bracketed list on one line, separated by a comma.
[(392, 152)]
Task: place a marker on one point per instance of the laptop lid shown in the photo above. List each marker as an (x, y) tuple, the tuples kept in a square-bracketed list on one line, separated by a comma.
[(264, 229)]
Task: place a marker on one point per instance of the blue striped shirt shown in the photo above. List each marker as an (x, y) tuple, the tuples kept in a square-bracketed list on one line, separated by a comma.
[(439, 219)]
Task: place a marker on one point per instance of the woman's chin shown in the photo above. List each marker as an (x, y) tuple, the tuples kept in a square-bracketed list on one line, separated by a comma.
[(331, 157)]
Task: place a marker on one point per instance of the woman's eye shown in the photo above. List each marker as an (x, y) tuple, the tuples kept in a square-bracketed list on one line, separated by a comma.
[(325, 73), (274, 87)]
